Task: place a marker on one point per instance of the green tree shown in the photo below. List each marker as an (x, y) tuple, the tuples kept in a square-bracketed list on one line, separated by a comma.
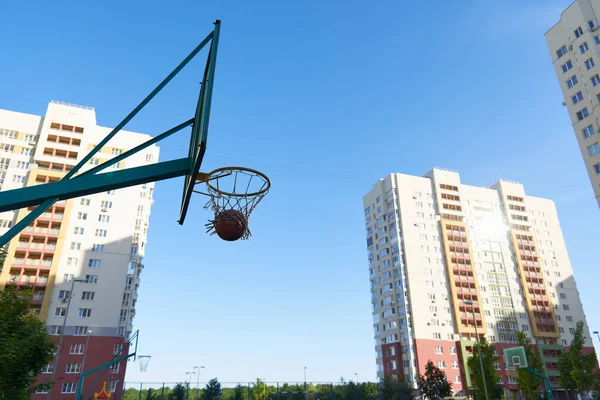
[(527, 382), (178, 392), (239, 392), (576, 368), (491, 376), (434, 384), (391, 389), (211, 390), (25, 346), (260, 390)]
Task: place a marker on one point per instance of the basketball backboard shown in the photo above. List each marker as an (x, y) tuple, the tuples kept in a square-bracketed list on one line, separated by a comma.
[(515, 357), (199, 134)]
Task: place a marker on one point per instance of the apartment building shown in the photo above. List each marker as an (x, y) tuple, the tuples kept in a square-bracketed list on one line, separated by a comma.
[(444, 257), (89, 250), (574, 45)]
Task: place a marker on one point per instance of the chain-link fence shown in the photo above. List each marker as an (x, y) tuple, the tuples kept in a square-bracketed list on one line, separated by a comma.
[(260, 390)]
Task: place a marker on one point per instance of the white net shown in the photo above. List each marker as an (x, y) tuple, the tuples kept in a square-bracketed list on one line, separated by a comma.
[(144, 361), (235, 188)]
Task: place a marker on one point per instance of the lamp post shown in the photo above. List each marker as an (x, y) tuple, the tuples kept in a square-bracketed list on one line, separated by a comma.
[(305, 394), (597, 334), (187, 381), (356, 377), (469, 302), (62, 332), (198, 379)]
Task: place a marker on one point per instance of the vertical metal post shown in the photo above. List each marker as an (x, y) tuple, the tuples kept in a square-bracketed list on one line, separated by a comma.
[(162, 392), (277, 390), (400, 390), (219, 395), (62, 333), (140, 395), (479, 350), (187, 390), (331, 391), (378, 392)]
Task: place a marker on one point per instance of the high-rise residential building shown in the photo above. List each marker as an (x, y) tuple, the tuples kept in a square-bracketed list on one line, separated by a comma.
[(444, 257), (574, 45), (93, 244)]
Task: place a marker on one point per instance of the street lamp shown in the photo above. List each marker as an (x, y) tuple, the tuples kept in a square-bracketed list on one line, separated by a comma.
[(187, 381), (198, 379), (305, 394), (62, 332), (356, 376), (469, 302), (597, 334)]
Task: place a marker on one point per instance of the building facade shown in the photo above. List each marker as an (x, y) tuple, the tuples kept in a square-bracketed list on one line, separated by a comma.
[(89, 249), (574, 45), (444, 256)]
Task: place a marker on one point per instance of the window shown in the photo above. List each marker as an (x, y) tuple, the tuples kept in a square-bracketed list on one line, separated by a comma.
[(68, 277), (84, 202), (596, 80), (588, 131), (68, 387), (80, 331), (18, 179), (55, 330), (101, 232), (583, 113), (98, 248), (439, 350), (583, 48), (88, 295), (76, 349), (593, 149), (566, 307), (589, 63), (91, 279), (562, 51), (429, 284), (84, 312), (456, 378), (437, 335), (441, 364), (572, 331), (113, 369), (26, 152), (424, 248), (423, 236), (104, 218), (427, 260), (75, 245), (577, 97), (563, 296), (94, 263), (563, 342), (116, 152), (94, 161), (84, 215), (78, 230), (591, 24), (60, 311), (452, 350), (578, 32), (64, 294), (572, 81), (524, 328), (106, 204), (454, 364)]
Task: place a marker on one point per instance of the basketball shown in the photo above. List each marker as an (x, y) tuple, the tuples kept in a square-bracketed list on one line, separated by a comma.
[(231, 225)]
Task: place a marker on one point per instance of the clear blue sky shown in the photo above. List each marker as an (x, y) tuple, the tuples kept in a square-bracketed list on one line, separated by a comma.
[(325, 97)]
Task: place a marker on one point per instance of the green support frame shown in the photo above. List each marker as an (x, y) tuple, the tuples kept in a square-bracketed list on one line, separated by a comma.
[(546, 382), (116, 359), (90, 182)]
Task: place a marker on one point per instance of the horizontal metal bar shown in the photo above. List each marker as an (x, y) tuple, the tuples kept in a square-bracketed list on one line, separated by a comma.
[(139, 148), (84, 185)]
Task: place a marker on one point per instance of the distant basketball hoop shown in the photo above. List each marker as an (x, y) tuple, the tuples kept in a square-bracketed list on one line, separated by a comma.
[(144, 361), (233, 194)]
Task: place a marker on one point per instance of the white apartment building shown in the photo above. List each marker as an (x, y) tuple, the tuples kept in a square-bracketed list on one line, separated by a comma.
[(99, 239), (435, 244), (574, 45)]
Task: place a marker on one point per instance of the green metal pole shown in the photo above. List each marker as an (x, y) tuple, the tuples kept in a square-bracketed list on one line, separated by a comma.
[(140, 393)]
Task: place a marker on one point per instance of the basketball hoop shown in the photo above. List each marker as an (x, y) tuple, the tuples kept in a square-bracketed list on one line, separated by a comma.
[(144, 361), (233, 194)]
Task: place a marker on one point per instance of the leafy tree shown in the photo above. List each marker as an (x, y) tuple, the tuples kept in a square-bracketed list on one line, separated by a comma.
[(394, 390), (577, 369), (239, 392), (527, 382), (25, 346), (260, 390), (211, 391), (178, 392), (434, 384), (491, 376)]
